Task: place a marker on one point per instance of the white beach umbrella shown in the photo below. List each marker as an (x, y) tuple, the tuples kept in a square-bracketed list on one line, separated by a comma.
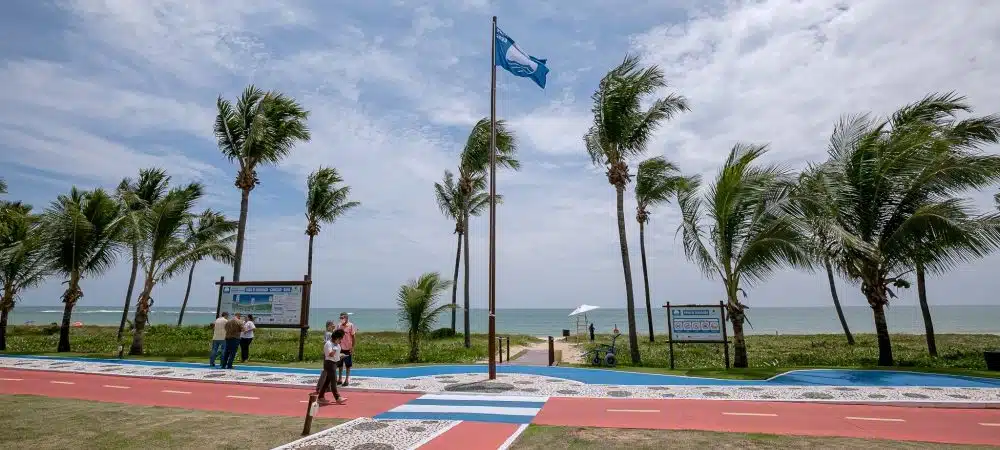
[(583, 309)]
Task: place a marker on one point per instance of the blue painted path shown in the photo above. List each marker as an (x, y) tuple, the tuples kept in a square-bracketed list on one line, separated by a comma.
[(807, 377)]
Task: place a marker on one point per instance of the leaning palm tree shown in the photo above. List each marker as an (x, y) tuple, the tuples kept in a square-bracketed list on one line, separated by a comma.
[(813, 199), (325, 202), (22, 259), (165, 250), (82, 234), (211, 235), (745, 231), (472, 170), (895, 182), (656, 182), (260, 129), (135, 196), (621, 130), (452, 203), (418, 308)]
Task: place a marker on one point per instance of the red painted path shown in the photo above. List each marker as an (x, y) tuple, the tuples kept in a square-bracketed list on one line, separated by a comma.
[(953, 426)]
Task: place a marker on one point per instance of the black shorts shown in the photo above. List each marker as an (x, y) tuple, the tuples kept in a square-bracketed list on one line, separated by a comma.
[(345, 359)]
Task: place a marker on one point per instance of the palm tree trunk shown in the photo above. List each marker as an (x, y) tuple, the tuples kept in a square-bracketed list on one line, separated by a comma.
[(414, 349), (465, 311), (3, 328), (141, 317), (882, 333), (187, 294), (836, 302), (925, 309), (740, 359), (633, 338), (128, 293), (241, 231), (309, 262), (6, 304), (645, 278), (454, 284), (70, 297)]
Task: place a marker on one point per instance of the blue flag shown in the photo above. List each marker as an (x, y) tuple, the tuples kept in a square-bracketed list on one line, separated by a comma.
[(517, 62)]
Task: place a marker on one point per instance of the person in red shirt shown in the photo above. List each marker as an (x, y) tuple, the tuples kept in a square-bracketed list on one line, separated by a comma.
[(346, 349)]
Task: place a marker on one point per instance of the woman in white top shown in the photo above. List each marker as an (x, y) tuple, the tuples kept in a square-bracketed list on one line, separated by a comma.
[(246, 337)]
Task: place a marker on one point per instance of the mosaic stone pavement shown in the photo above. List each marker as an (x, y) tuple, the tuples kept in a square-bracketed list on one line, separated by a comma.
[(535, 385), (369, 434)]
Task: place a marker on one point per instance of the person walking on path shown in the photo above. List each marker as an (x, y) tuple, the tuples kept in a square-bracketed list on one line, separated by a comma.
[(331, 356), (218, 339), (234, 327), (246, 337), (347, 349), (330, 326)]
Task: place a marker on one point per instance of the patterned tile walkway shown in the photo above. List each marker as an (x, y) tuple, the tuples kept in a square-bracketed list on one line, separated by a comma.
[(536, 385)]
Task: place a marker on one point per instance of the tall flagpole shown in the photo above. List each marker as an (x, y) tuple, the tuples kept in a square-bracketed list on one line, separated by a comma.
[(493, 203)]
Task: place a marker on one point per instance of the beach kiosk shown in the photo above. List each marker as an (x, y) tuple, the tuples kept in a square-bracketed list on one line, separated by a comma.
[(580, 314)]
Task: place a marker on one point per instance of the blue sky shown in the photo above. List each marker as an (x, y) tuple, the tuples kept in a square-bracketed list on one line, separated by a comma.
[(95, 90)]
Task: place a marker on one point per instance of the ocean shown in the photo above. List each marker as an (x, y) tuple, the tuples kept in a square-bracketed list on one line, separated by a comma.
[(544, 322)]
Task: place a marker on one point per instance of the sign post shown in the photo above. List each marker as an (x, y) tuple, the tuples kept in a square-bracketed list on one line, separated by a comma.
[(696, 324), (274, 304)]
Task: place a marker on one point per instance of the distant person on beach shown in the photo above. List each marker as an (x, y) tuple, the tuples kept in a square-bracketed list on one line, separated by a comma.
[(234, 327), (246, 337), (346, 348), (331, 355), (218, 339), (591, 331)]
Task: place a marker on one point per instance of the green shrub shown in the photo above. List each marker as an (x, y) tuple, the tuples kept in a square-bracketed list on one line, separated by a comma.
[(442, 333)]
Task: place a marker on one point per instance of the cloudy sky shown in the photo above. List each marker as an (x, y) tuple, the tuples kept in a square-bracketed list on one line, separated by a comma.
[(94, 90)]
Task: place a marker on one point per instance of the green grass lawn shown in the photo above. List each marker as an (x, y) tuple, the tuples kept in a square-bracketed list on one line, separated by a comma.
[(42, 423), (770, 355), (270, 346), (555, 438)]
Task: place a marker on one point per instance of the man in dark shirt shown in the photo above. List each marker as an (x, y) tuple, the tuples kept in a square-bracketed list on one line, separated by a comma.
[(233, 329)]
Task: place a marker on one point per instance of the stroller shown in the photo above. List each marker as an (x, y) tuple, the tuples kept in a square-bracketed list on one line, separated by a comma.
[(603, 354)]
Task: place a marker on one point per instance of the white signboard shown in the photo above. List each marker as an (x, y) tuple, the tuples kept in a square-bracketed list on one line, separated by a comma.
[(696, 323), (270, 305)]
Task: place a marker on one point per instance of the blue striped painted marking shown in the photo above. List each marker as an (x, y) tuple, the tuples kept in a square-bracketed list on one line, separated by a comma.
[(473, 408), (499, 404), (470, 417)]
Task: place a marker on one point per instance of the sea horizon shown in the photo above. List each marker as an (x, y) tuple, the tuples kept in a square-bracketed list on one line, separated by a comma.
[(796, 320)]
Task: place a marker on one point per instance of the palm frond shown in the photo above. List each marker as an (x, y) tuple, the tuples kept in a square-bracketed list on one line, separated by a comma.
[(326, 200)]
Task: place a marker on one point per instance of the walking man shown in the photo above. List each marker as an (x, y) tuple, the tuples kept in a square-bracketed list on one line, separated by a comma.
[(331, 355), (330, 327), (218, 339), (234, 327), (346, 349)]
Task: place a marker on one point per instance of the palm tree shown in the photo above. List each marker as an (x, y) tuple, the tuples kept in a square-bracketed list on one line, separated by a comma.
[(261, 128), (813, 198), (656, 182), (3, 186), (472, 171), (325, 202), (22, 260), (895, 183), (135, 197), (212, 235), (452, 204), (82, 234), (418, 308), (620, 131), (164, 249), (746, 222)]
